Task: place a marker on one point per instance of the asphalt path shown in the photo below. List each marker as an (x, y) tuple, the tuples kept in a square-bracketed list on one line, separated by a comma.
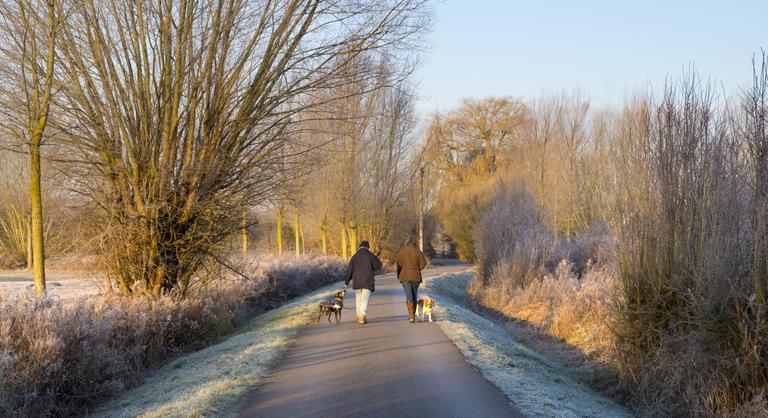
[(386, 368)]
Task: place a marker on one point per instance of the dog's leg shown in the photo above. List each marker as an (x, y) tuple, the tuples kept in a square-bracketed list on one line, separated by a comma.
[(329, 317), (430, 315), (319, 315)]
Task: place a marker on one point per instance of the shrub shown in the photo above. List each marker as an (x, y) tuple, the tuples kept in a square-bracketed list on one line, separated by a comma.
[(57, 357), (459, 214), (690, 326), (510, 236), (279, 278), (559, 303), (562, 287)]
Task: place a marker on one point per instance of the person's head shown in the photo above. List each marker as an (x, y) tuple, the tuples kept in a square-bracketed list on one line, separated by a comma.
[(412, 242), (365, 245)]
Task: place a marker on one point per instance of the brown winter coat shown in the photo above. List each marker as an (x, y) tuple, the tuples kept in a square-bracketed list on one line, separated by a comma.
[(410, 263)]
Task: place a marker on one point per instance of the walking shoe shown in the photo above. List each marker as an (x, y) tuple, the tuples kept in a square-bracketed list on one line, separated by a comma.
[(411, 312), (365, 319), (361, 319)]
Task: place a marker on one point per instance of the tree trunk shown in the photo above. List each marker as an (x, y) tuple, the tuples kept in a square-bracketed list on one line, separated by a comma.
[(421, 209), (303, 242), (244, 228), (280, 231), (36, 200), (325, 236), (352, 238), (344, 250), (296, 232), (29, 242)]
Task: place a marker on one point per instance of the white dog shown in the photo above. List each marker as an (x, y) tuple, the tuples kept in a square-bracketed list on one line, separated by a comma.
[(425, 305)]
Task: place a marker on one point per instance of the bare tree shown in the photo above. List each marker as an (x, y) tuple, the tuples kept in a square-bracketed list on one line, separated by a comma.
[(30, 29), (755, 132), (360, 177), (179, 112)]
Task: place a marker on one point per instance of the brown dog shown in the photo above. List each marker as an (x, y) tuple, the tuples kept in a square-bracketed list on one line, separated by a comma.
[(333, 306)]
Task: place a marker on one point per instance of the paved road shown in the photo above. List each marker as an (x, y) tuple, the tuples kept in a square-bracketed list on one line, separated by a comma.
[(387, 368)]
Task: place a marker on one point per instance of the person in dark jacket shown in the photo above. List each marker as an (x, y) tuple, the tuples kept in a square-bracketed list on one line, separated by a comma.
[(361, 271), (410, 262)]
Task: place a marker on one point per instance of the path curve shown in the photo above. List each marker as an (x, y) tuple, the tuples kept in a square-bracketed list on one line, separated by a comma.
[(387, 368)]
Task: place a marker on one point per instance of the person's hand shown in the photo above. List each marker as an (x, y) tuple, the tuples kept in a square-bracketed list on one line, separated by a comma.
[(346, 286)]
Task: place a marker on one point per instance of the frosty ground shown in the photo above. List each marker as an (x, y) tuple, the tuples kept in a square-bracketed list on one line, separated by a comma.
[(538, 385), (211, 381)]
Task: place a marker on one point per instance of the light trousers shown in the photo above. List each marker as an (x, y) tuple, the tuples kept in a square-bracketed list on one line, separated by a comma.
[(361, 301)]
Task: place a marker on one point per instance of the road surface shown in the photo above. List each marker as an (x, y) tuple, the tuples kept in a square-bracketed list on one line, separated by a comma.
[(386, 368)]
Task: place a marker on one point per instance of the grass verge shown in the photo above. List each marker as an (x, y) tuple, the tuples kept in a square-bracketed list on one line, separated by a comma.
[(210, 382), (538, 386)]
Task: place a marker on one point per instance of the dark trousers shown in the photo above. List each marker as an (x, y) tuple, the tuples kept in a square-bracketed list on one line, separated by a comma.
[(411, 289)]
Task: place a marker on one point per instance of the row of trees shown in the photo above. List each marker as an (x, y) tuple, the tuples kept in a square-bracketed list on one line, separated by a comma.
[(171, 117), (360, 178)]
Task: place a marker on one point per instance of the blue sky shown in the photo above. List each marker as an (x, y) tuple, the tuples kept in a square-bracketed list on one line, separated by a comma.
[(604, 48)]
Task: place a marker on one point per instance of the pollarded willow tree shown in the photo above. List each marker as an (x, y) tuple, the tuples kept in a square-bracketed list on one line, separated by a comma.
[(179, 112)]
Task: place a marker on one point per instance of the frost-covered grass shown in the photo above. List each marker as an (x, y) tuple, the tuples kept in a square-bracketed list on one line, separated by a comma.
[(211, 381), (65, 286), (575, 310), (538, 386), (60, 356)]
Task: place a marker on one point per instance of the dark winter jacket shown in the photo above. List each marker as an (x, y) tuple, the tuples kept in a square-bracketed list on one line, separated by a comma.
[(410, 263), (361, 268)]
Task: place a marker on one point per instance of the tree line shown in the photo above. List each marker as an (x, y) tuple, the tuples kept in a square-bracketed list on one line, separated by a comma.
[(665, 195), (171, 119)]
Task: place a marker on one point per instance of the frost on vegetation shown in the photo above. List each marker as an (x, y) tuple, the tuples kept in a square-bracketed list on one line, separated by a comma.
[(209, 382), (60, 357), (539, 387)]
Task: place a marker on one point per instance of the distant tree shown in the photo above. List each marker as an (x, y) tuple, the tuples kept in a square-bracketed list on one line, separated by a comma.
[(30, 29)]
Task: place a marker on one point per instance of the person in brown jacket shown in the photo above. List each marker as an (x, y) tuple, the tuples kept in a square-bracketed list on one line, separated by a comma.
[(410, 262)]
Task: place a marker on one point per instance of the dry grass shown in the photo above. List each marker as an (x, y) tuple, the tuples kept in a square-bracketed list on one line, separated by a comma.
[(526, 274), (539, 386), (576, 311), (211, 381), (58, 357)]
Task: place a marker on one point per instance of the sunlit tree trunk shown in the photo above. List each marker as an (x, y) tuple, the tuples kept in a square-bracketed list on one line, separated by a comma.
[(280, 231), (303, 242), (324, 230), (352, 238), (36, 200), (33, 27), (29, 242), (244, 232), (344, 249), (296, 232)]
